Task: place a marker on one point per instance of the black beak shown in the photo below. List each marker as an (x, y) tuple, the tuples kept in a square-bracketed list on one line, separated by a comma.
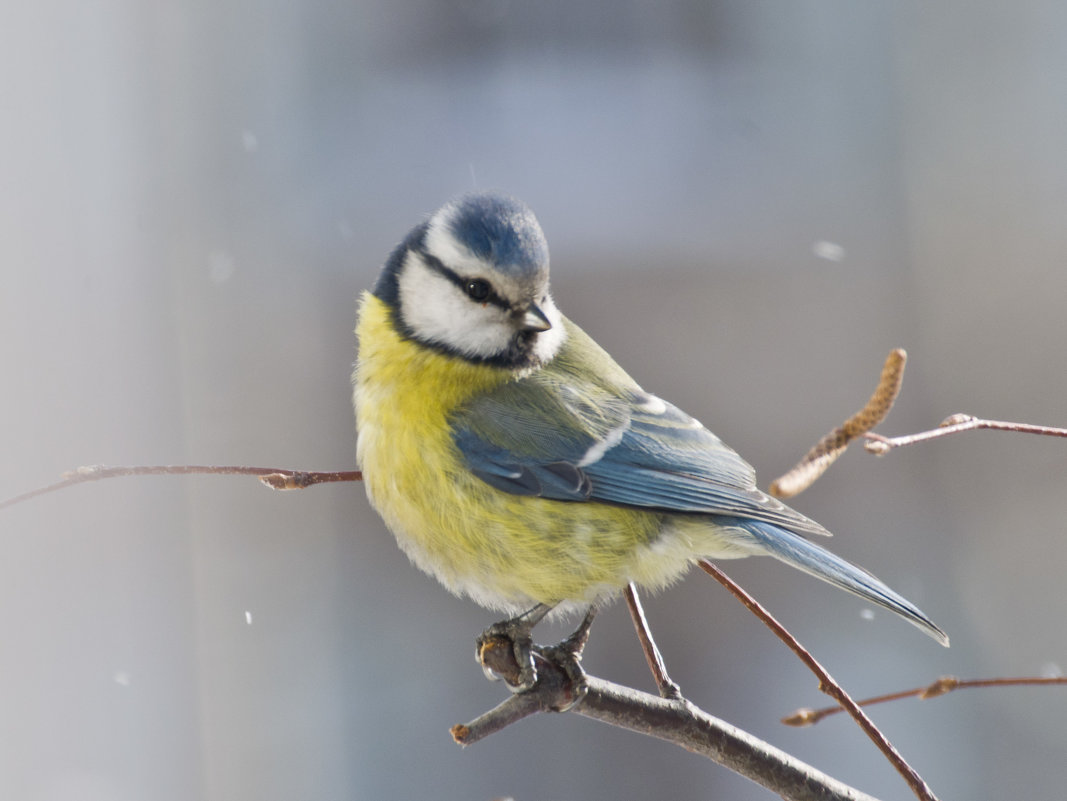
[(533, 319)]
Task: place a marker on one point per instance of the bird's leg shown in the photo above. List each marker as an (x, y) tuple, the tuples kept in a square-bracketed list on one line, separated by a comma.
[(568, 656), (512, 635), (575, 643), (667, 688)]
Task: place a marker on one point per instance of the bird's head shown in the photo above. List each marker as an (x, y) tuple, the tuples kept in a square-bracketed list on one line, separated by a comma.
[(472, 281)]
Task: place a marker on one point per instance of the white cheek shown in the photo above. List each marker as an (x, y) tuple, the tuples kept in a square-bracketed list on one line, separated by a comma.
[(549, 342), (436, 310)]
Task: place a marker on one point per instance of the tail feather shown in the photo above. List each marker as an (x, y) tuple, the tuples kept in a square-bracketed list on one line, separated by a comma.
[(804, 555)]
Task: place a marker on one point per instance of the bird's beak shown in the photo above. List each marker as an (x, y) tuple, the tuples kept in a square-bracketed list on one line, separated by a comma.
[(533, 319)]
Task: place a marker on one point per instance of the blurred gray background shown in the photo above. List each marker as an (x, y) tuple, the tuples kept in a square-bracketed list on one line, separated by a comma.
[(748, 203)]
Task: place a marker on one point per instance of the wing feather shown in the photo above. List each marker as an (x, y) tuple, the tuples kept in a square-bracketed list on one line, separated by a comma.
[(568, 436)]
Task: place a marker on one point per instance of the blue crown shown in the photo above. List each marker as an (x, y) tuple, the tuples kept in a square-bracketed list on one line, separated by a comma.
[(501, 230)]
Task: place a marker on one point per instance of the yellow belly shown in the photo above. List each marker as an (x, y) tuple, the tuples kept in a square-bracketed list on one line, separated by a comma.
[(505, 551)]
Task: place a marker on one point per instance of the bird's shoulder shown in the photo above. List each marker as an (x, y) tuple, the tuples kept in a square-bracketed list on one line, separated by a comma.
[(558, 410)]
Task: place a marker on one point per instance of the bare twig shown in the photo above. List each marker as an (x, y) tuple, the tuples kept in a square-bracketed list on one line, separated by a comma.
[(955, 424), (944, 685), (827, 684), (673, 720), (666, 686), (274, 477), (826, 450)]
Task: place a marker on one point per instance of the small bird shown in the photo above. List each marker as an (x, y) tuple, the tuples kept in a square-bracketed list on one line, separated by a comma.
[(512, 457)]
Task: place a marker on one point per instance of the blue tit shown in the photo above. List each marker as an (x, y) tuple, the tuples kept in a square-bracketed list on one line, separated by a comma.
[(512, 457)]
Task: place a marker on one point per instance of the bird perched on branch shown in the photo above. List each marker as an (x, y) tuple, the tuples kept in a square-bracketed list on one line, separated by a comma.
[(512, 457)]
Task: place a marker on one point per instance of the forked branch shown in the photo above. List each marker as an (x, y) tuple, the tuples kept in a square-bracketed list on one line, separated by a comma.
[(673, 720), (826, 451)]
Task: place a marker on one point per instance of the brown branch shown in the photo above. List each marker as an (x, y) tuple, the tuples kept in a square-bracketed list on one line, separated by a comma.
[(943, 686), (673, 720), (955, 424), (273, 477), (827, 684), (666, 686), (826, 451), (829, 448)]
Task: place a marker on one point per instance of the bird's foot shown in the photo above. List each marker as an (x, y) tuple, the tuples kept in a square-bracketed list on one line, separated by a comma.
[(505, 650)]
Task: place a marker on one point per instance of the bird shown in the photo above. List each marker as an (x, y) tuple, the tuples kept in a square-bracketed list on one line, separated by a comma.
[(514, 460)]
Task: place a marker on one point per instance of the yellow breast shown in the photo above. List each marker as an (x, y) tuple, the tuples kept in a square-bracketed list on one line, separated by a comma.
[(503, 550)]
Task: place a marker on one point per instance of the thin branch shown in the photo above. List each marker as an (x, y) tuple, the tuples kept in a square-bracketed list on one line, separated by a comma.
[(673, 720), (826, 451), (943, 686), (274, 477), (827, 684), (829, 448), (666, 686), (955, 424)]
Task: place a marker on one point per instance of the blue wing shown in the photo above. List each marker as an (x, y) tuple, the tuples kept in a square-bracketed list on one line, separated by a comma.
[(563, 435)]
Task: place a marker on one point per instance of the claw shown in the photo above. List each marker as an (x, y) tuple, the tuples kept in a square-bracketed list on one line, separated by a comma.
[(505, 650), (507, 656)]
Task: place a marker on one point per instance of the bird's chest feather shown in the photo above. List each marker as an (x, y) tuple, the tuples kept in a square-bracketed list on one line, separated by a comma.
[(414, 475)]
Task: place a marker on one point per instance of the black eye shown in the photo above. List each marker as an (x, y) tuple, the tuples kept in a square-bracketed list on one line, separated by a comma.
[(478, 289)]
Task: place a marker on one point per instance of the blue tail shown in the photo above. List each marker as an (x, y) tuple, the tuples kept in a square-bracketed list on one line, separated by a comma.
[(807, 556)]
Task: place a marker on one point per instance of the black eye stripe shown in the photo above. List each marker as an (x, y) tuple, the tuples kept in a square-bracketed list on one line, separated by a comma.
[(438, 266)]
